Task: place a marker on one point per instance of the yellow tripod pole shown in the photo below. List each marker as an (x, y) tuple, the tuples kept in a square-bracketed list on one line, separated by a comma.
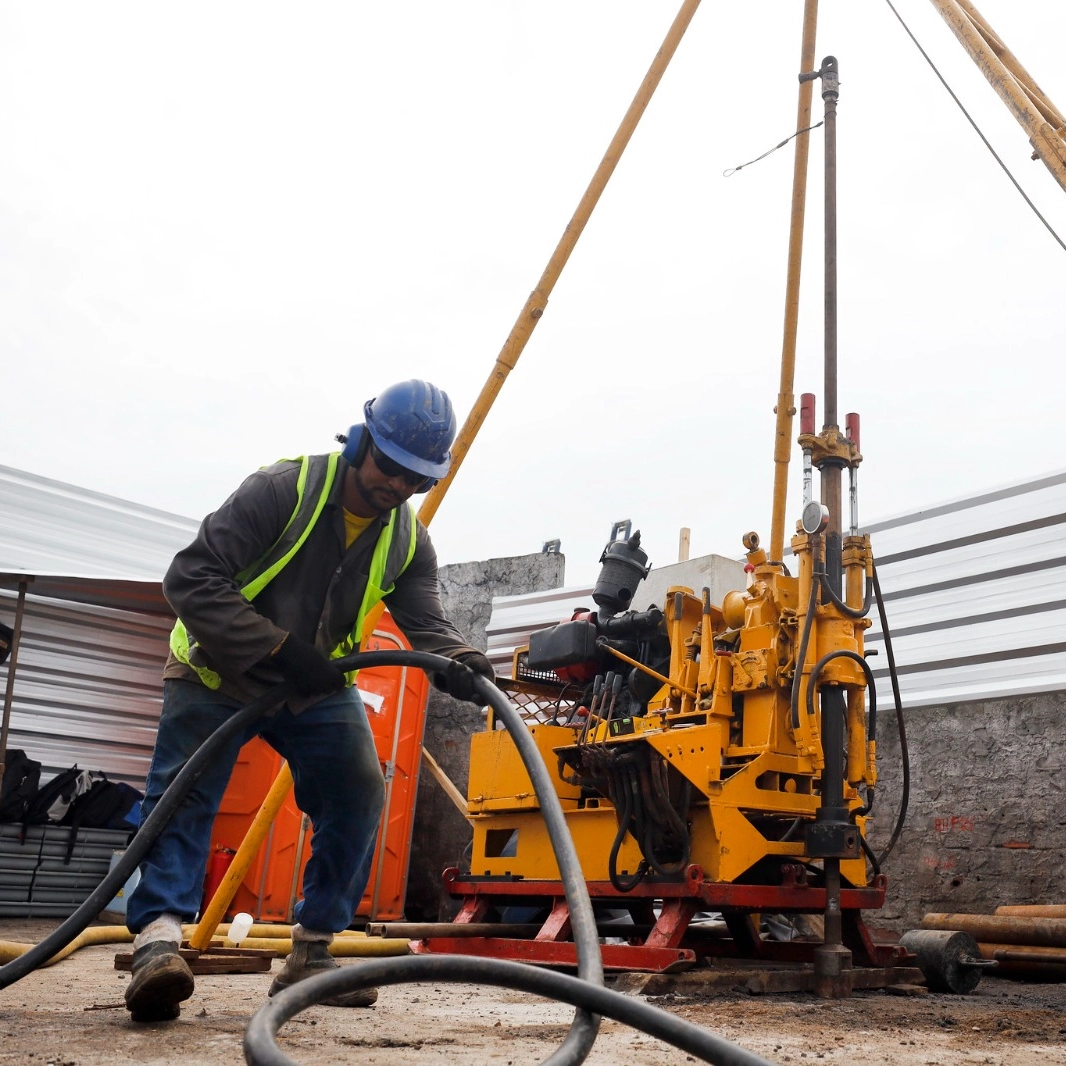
[(512, 348)]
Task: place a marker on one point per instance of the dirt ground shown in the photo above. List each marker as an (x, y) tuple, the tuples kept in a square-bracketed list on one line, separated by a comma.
[(71, 1014)]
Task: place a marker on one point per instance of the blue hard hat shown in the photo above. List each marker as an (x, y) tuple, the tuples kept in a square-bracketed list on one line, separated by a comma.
[(413, 424)]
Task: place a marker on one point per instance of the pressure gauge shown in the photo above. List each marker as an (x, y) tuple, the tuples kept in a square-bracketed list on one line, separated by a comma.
[(815, 517)]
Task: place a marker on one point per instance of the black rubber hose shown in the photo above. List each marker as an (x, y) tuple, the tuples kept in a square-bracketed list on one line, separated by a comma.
[(841, 606), (904, 750), (625, 823), (841, 653), (260, 1048), (138, 847), (801, 654), (868, 852), (586, 991), (582, 1033)]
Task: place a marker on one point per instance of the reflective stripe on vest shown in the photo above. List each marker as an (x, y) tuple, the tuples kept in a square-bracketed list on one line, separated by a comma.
[(393, 553)]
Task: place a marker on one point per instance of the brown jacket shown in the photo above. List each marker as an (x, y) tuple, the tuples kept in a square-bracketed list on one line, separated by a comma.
[(317, 595)]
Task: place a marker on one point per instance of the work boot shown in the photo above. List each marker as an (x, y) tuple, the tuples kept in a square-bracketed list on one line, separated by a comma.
[(160, 980), (309, 957)]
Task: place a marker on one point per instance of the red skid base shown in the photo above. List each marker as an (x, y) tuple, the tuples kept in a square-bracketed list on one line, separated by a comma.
[(673, 942)]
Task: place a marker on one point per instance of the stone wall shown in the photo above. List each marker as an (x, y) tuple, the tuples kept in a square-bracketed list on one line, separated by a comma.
[(984, 823), (441, 833)]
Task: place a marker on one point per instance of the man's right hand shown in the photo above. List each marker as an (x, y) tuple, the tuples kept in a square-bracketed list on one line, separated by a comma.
[(306, 667)]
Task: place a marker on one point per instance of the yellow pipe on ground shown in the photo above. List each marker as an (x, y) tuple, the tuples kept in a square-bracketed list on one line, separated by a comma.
[(509, 354), (348, 944), (342, 947), (103, 934)]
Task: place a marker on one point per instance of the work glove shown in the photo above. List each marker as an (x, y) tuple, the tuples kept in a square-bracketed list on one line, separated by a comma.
[(306, 667), (458, 679)]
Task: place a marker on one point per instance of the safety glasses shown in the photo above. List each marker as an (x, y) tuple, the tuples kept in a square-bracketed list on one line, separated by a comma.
[(390, 468)]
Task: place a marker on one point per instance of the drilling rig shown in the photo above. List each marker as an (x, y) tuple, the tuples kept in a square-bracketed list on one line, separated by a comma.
[(712, 760), (708, 759), (716, 762)]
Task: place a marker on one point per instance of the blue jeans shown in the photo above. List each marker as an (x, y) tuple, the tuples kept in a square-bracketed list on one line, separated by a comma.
[(337, 782)]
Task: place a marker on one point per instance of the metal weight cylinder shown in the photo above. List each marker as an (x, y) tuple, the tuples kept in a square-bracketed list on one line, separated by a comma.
[(949, 960)]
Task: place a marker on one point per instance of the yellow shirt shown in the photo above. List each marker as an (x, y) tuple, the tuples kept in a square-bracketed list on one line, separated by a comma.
[(354, 527)]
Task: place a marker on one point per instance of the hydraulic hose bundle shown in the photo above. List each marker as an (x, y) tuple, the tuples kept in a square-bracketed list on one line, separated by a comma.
[(585, 991)]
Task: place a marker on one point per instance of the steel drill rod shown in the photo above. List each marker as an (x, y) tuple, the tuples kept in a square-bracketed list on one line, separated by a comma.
[(1026, 953), (1033, 910), (517, 930), (1026, 961), (832, 700), (1003, 928)]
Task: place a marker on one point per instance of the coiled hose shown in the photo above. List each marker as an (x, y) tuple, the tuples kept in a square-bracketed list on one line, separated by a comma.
[(586, 991)]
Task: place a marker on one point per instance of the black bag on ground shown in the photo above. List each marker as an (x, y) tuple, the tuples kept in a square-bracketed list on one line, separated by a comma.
[(22, 775), (53, 798), (104, 806)]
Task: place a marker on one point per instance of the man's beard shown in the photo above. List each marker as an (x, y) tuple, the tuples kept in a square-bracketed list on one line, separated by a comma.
[(381, 499)]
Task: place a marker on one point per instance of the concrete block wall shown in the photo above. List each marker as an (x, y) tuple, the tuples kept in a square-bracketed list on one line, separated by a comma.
[(985, 823), (441, 833)]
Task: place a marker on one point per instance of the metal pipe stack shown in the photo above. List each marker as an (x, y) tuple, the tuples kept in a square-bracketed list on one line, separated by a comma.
[(1027, 941)]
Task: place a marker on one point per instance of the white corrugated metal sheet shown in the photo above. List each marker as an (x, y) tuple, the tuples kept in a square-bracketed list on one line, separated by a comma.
[(975, 595), (974, 590), (50, 528), (86, 687)]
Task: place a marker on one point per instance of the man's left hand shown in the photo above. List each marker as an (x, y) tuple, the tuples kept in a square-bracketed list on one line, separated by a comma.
[(458, 681)]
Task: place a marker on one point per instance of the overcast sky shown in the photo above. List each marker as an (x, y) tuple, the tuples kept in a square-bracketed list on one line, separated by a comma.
[(223, 226)]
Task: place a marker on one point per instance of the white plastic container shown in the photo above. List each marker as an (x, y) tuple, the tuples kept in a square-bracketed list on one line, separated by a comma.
[(238, 928), (116, 909)]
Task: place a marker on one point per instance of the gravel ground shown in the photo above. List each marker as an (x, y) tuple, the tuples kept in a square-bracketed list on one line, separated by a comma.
[(71, 1014)]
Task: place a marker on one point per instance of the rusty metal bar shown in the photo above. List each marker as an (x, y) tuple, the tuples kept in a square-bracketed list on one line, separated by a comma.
[(425, 930), (1033, 910), (1003, 928), (1025, 80), (1014, 87)]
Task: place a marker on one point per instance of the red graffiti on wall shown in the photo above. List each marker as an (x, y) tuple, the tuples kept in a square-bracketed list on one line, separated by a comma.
[(932, 862), (962, 823)]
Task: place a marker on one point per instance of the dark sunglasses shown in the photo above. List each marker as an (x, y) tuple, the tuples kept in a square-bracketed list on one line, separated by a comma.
[(390, 468)]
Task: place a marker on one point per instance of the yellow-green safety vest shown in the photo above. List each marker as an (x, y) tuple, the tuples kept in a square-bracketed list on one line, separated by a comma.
[(392, 555)]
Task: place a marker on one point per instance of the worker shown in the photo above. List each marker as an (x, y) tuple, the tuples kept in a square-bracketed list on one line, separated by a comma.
[(276, 584)]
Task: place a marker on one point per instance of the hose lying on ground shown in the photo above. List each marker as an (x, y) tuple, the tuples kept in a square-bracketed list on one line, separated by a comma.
[(585, 992), (261, 1050)]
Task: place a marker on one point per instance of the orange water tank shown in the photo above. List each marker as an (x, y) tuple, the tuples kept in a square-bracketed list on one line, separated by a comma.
[(395, 700)]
